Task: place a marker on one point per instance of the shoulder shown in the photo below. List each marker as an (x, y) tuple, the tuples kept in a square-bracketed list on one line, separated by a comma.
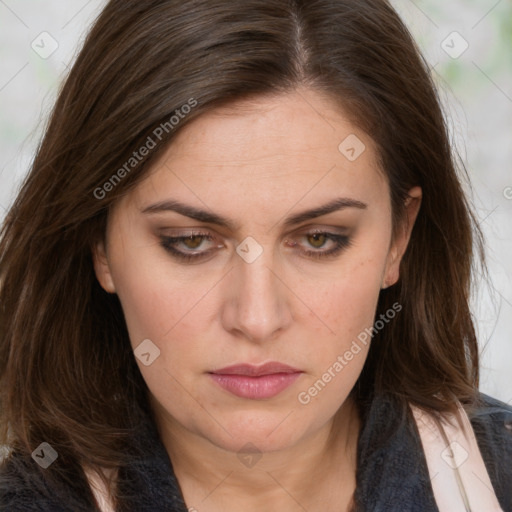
[(20, 488), (24, 487), (491, 420)]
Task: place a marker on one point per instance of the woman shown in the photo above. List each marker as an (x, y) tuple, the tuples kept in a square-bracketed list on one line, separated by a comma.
[(246, 284)]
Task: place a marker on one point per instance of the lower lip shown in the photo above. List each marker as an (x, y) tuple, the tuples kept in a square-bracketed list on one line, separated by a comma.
[(255, 388)]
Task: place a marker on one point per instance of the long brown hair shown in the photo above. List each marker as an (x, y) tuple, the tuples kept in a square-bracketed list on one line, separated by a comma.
[(67, 371)]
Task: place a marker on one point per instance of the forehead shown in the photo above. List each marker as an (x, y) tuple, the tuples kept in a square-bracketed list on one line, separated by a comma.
[(267, 128), (267, 151)]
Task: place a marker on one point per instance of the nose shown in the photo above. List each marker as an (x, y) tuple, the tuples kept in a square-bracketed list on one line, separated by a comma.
[(257, 304)]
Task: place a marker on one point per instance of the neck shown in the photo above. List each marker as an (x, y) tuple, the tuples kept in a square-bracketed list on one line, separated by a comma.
[(319, 470)]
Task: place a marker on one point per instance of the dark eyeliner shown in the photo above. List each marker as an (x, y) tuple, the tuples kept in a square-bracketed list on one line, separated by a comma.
[(169, 243), (342, 242)]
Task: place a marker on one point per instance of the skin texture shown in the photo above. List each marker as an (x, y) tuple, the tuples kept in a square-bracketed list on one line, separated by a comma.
[(257, 165)]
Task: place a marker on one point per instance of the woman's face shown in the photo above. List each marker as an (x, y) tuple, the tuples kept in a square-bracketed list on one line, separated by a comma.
[(265, 275)]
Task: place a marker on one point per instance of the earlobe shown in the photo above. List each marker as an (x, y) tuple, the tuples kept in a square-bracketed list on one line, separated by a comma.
[(392, 272), (402, 237), (102, 267)]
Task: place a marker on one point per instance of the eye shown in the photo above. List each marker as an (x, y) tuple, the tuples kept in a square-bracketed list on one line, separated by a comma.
[(187, 247), (318, 239), (189, 242)]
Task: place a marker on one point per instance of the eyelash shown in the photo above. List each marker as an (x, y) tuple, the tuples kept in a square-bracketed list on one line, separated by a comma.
[(168, 243)]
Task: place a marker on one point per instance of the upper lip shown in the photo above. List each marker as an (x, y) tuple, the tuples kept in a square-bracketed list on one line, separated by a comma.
[(256, 371)]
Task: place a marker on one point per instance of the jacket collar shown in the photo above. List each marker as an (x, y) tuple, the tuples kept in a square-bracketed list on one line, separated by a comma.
[(392, 471)]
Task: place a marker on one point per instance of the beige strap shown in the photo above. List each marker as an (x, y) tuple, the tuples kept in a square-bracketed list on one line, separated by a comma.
[(458, 474), (100, 492)]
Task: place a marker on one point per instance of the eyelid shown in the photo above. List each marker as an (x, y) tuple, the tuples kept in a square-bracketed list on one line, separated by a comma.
[(334, 230), (207, 232), (301, 232), (341, 242)]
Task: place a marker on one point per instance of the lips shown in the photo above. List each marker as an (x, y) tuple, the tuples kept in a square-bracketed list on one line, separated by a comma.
[(256, 371), (256, 382)]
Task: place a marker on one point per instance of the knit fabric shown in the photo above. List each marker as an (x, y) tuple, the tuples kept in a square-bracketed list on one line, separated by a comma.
[(392, 473)]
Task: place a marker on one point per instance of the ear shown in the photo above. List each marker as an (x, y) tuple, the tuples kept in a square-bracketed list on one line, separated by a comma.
[(102, 267), (402, 236)]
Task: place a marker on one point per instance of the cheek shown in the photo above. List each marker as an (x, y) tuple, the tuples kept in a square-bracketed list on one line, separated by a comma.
[(153, 301), (346, 303), (169, 312), (348, 300), (337, 359), (349, 312), (162, 309)]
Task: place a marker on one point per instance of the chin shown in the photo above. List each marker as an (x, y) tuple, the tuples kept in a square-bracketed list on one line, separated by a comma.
[(266, 432)]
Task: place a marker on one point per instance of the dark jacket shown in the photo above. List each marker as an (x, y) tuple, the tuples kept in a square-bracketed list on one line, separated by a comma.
[(392, 474)]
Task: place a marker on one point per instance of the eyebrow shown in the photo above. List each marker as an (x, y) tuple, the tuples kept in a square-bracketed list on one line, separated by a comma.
[(214, 218)]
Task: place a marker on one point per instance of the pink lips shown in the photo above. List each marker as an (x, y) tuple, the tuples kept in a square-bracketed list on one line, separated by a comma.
[(256, 382)]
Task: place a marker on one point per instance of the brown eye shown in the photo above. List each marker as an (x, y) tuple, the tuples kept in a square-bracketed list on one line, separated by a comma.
[(183, 247), (320, 239), (317, 240), (193, 242)]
